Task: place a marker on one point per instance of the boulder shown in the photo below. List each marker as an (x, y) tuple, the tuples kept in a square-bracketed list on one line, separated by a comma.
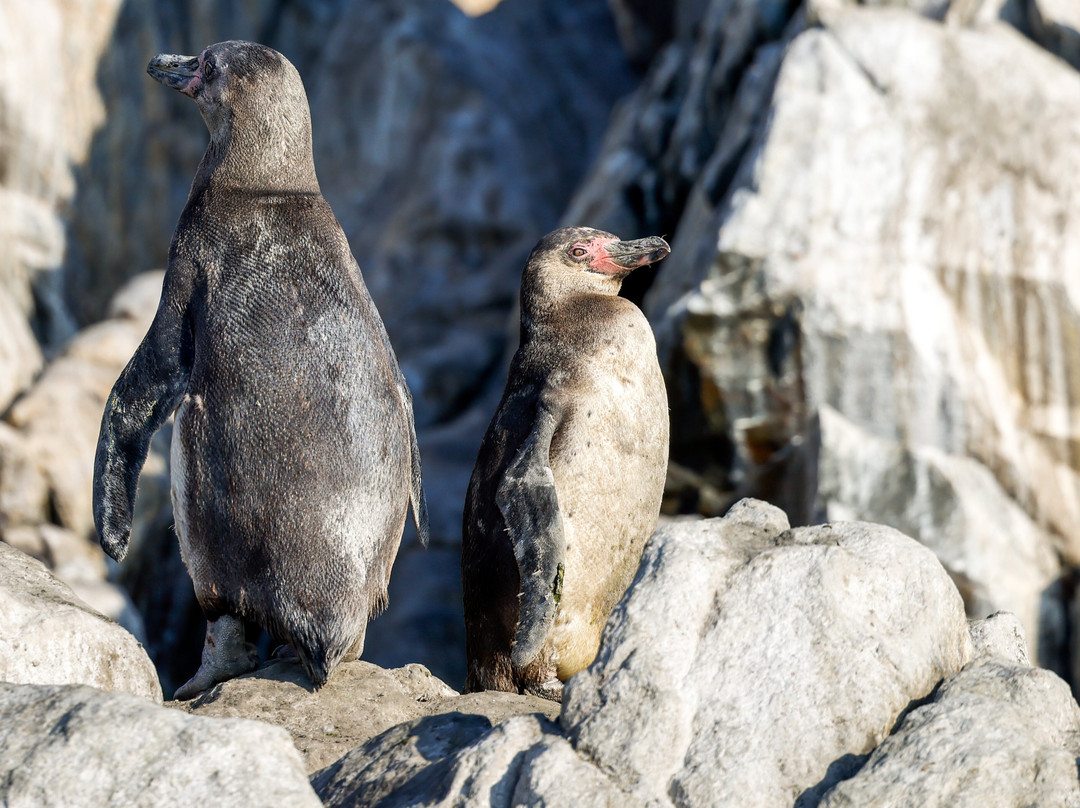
[(49, 636), (359, 701), (24, 490), (79, 746), (20, 356), (995, 735), (749, 662), (452, 759), (999, 636)]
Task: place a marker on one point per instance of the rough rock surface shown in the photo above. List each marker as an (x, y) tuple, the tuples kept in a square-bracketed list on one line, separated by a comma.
[(79, 746), (999, 636), (684, 703), (60, 415), (448, 760), (876, 233), (49, 636), (360, 701), (993, 736)]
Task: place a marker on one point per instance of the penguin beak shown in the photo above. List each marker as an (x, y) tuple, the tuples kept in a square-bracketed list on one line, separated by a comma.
[(637, 253), (178, 72)]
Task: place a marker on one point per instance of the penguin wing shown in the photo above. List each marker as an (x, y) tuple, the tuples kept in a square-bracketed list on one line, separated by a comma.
[(144, 396), (527, 499)]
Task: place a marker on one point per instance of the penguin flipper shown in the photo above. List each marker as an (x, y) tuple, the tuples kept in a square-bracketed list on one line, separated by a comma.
[(527, 499), (144, 396)]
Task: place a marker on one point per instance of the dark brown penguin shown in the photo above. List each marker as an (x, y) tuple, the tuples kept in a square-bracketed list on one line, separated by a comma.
[(568, 480), (294, 453)]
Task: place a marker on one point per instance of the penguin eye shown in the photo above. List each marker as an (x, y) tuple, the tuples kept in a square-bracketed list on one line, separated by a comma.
[(579, 252), (208, 70)]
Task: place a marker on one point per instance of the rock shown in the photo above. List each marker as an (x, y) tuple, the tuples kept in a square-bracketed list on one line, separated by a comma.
[(20, 356), (709, 685), (60, 416), (992, 735), (24, 491), (891, 247), (1055, 24), (360, 701), (50, 105), (1000, 636), (522, 761), (49, 636), (999, 556), (80, 746)]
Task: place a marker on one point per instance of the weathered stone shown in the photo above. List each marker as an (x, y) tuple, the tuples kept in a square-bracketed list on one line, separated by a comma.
[(24, 491), (60, 416), (999, 636), (49, 636), (993, 736), (1055, 24), (431, 762), (894, 247), (710, 681), (20, 356), (360, 701), (79, 746)]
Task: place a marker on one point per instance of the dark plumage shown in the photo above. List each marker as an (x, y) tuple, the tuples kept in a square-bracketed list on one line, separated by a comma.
[(294, 451), (568, 481)]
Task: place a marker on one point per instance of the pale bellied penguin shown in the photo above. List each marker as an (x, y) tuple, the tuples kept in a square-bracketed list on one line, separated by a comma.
[(294, 455), (569, 477)]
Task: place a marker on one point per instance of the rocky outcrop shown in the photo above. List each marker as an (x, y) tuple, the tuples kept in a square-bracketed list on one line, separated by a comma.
[(992, 735), (359, 701), (49, 636), (707, 713), (748, 664), (79, 746), (867, 313)]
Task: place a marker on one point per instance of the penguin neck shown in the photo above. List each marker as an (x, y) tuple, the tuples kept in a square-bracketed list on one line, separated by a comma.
[(257, 157), (551, 304)]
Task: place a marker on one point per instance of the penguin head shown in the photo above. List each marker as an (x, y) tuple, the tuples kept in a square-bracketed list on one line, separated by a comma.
[(254, 104), (581, 259)]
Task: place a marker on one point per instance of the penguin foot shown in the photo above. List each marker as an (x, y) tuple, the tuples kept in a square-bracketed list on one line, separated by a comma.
[(550, 689), (225, 655)]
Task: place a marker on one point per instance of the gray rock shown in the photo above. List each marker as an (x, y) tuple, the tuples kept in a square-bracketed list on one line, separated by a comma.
[(49, 636), (360, 701), (79, 746), (885, 249), (993, 736), (748, 662), (522, 761), (1001, 637)]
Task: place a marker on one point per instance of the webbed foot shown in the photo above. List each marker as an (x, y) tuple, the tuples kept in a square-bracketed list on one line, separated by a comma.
[(225, 655)]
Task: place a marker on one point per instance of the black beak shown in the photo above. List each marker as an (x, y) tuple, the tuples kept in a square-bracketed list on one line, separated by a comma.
[(173, 71), (638, 253)]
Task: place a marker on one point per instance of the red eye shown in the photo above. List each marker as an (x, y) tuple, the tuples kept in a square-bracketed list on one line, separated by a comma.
[(579, 252)]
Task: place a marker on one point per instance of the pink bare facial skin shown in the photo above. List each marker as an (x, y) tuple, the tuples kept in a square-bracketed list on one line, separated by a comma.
[(598, 256), (196, 81)]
